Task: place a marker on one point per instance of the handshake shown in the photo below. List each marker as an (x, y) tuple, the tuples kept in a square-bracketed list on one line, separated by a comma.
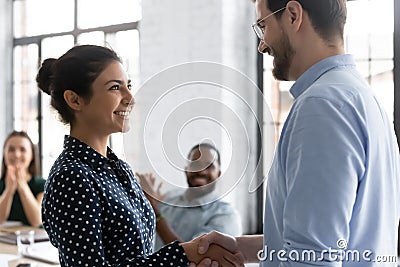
[(217, 249)]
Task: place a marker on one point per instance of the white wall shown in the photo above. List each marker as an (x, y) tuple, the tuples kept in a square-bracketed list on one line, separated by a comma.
[(181, 31)]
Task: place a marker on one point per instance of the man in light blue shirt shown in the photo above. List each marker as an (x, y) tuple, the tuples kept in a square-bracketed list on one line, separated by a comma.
[(191, 217), (332, 194), (186, 214), (334, 180)]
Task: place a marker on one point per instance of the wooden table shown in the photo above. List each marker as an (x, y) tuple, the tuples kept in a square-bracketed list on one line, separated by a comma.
[(13, 250)]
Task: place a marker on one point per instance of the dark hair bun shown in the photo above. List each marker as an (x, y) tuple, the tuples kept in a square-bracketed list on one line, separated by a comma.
[(44, 78)]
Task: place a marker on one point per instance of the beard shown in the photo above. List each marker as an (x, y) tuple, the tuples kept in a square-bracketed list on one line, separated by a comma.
[(283, 55)]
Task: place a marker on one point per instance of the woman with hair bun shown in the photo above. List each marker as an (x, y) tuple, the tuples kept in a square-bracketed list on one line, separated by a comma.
[(94, 209), (21, 187)]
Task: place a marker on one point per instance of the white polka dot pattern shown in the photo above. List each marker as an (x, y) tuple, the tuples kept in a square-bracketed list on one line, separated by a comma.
[(97, 215)]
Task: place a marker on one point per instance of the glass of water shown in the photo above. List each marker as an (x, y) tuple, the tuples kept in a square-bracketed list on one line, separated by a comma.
[(25, 238)]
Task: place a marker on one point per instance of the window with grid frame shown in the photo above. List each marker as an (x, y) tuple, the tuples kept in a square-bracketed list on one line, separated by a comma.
[(39, 35)]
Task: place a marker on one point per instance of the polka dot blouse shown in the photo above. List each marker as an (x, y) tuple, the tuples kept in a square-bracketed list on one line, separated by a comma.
[(97, 215)]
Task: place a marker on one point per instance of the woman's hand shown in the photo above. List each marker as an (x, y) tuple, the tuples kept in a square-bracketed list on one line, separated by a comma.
[(21, 178), (6, 198), (215, 255), (11, 179)]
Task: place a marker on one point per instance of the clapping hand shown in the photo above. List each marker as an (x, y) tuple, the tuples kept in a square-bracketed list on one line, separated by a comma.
[(20, 176), (148, 184), (11, 178)]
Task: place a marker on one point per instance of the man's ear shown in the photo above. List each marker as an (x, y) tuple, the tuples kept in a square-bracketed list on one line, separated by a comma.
[(295, 14), (74, 101)]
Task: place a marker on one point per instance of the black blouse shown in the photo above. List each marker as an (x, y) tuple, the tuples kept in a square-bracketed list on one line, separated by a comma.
[(96, 214)]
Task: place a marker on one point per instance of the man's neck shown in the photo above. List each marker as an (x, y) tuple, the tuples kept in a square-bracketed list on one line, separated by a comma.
[(311, 56)]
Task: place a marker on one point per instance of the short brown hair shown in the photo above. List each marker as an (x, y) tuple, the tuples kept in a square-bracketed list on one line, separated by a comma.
[(328, 17)]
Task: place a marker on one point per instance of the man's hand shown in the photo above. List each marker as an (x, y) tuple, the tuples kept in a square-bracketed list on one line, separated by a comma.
[(148, 184), (244, 247), (226, 241), (214, 255)]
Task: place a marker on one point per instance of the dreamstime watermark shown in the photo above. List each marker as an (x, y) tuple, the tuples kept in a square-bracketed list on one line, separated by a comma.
[(339, 255)]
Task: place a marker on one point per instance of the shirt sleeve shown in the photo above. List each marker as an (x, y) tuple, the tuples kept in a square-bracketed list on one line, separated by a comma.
[(72, 218), (325, 158)]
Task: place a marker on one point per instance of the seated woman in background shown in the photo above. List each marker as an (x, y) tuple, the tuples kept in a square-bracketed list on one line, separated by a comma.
[(21, 187)]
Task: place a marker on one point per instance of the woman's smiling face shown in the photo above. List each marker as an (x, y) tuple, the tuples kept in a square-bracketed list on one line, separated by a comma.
[(18, 152), (107, 110)]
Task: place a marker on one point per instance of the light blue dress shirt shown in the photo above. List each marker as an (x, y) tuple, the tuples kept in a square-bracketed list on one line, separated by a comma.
[(333, 188), (190, 218)]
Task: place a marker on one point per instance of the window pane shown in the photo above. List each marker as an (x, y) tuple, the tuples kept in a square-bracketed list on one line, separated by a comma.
[(364, 46), (358, 45), (374, 16), (379, 67), (56, 46), (127, 45), (30, 17), (107, 12), (382, 49), (25, 90), (94, 38), (383, 87), (369, 36), (366, 30), (53, 130)]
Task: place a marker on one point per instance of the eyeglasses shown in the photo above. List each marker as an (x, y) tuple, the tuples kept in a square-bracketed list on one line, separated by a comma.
[(259, 29)]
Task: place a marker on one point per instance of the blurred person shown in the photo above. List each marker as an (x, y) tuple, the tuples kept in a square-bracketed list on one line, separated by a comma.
[(93, 209), (334, 183), (21, 187), (186, 215)]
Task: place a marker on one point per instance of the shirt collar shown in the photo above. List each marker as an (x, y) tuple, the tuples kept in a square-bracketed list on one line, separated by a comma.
[(88, 154), (319, 69)]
